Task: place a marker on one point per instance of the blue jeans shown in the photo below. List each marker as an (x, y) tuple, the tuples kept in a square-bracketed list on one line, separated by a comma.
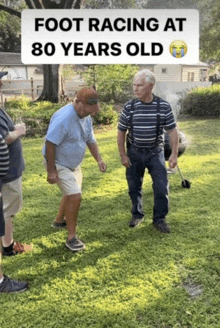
[(154, 161)]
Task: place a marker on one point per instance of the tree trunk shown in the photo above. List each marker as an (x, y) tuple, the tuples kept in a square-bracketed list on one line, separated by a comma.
[(52, 84), (51, 89)]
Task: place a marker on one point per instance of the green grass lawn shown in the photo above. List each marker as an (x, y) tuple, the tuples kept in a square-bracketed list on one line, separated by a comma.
[(125, 278)]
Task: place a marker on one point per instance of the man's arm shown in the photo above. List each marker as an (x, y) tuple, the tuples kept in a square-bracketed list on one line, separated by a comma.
[(52, 175), (93, 147), (174, 138), (121, 147), (20, 130)]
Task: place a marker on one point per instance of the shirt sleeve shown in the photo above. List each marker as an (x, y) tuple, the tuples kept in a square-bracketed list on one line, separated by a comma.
[(91, 138), (170, 122), (57, 130), (4, 157), (4, 130), (123, 124)]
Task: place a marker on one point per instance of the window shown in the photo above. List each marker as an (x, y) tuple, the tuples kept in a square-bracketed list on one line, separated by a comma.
[(203, 73), (164, 70), (191, 76)]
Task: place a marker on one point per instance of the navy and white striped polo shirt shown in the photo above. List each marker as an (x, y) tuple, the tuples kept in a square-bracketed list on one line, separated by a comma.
[(145, 122), (4, 157)]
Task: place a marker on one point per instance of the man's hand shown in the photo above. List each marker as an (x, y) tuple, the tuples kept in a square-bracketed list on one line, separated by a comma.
[(52, 177), (102, 166), (125, 160), (20, 129), (172, 161)]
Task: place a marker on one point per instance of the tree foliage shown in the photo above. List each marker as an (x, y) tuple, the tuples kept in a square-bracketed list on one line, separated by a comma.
[(110, 4), (10, 36), (10, 29), (170, 4), (209, 11), (113, 82), (210, 38)]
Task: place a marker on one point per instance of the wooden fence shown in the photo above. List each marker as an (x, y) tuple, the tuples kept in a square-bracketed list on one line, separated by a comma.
[(33, 88)]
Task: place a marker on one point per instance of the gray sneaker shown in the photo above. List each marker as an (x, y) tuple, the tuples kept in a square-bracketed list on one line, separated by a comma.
[(9, 285), (75, 244)]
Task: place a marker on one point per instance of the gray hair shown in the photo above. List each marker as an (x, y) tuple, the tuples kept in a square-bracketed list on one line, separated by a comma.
[(147, 75)]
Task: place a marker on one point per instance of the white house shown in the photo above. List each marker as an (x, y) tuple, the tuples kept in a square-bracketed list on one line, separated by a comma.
[(11, 62), (179, 72)]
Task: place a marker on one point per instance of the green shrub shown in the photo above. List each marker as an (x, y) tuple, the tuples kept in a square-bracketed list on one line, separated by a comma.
[(37, 115), (107, 115), (113, 82), (203, 102)]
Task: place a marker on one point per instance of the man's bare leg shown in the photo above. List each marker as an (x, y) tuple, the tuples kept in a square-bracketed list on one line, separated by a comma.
[(61, 214), (72, 205), (7, 240)]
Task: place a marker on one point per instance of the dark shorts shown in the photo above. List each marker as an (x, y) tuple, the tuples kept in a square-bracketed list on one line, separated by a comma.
[(2, 221)]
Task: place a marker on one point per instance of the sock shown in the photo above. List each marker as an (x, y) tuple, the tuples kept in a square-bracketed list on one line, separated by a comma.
[(8, 249), (1, 280)]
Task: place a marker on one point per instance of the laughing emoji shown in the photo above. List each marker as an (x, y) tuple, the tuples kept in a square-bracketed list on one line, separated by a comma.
[(178, 49)]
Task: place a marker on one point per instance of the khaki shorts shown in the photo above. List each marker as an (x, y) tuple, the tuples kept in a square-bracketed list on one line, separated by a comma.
[(12, 197), (70, 181)]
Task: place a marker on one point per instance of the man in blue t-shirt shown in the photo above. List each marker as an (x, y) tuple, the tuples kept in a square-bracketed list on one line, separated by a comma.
[(70, 132), (145, 119)]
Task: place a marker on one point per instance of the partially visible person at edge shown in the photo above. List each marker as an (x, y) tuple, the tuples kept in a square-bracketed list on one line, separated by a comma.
[(70, 131), (145, 147), (7, 285), (12, 181)]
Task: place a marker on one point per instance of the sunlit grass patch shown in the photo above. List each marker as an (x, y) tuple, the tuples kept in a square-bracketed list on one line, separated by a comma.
[(125, 278)]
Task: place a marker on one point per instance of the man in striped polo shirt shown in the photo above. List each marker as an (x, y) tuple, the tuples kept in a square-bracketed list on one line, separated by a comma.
[(145, 118), (7, 285)]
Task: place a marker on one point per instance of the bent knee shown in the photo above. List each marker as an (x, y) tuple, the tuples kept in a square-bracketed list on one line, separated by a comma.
[(74, 197)]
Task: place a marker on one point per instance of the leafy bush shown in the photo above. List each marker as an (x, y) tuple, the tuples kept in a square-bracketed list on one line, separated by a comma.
[(107, 115), (113, 82), (204, 102), (37, 115)]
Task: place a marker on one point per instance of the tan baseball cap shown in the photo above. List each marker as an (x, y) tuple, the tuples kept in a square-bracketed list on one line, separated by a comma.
[(88, 96)]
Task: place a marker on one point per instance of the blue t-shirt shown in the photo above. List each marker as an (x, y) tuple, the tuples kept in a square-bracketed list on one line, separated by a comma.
[(16, 165), (70, 134)]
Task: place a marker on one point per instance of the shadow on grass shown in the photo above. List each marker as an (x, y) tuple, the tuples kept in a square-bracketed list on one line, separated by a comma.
[(103, 226), (119, 262)]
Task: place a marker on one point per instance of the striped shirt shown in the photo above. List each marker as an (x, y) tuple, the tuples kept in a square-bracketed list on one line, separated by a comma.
[(4, 157), (145, 122)]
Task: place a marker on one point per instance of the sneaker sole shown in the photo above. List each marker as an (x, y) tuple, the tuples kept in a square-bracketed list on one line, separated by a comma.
[(16, 291), (75, 249), (58, 227)]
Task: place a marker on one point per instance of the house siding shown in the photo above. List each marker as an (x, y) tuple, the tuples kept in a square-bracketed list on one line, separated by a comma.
[(32, 73), (191, 70), (178, 73), (173, 73)]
